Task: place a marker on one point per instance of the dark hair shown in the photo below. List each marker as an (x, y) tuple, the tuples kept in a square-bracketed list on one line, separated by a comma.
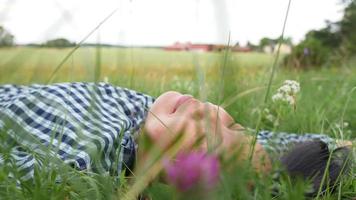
[(309, 161)]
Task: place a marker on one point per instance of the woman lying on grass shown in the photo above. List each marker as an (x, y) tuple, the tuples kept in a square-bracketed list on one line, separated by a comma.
[(87, 124)]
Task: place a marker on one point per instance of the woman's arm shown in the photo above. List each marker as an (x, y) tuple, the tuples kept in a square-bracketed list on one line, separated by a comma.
[(245, 147), (343, 143)]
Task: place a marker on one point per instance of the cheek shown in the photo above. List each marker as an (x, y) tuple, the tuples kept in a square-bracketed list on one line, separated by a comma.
[(155, 126), (162, 131)]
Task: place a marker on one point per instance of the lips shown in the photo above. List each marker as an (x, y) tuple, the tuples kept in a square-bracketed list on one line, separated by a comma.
[(180, 101)]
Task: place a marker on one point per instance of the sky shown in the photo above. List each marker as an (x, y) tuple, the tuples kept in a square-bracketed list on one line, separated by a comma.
[(163, 22)]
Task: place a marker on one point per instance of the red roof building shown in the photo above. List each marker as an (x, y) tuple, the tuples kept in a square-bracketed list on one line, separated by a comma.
[(178, 47), (188, 46)]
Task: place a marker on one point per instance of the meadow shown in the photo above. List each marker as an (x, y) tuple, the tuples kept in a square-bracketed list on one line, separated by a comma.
[(326, 104)]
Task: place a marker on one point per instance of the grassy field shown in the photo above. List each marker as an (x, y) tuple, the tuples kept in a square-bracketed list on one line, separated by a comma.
[(237, 81), (26, 65)]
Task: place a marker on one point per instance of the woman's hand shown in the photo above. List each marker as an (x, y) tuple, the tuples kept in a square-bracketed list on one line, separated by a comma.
[(174, 113)]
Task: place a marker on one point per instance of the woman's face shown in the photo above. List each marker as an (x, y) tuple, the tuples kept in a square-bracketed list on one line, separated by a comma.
[(174, 113)]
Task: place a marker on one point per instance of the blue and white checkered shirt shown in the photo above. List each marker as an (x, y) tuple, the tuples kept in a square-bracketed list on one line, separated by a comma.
[(87, 125), (280, 142)]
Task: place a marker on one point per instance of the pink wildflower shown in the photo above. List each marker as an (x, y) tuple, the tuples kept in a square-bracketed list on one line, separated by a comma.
[(193, 170)]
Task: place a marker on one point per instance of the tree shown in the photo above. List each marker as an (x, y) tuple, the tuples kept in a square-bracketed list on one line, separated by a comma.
[(59, 43), (273, 42), (333, 44), (266, 42), (6, 38), (316, 49), (348, 28), (252, 46), (309, 53), (329, 36)]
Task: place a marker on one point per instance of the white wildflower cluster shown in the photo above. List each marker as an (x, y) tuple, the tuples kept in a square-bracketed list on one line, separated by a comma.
[(287, 92)]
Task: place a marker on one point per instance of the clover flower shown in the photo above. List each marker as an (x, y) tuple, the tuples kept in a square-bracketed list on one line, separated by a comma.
[(287, 92), (193, 170)]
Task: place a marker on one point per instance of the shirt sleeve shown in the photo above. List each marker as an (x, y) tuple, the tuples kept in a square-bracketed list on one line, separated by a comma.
[(280, 142), (87, 125)]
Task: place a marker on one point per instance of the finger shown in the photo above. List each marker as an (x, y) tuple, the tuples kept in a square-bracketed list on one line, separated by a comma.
[(193, 132), (189, 108)]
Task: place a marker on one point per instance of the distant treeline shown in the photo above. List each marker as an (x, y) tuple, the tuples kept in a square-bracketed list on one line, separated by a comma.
[(64, 43), (332, 45)]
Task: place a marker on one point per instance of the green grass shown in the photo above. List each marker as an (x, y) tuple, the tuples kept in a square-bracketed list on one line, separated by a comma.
[(20, 65), (327, 98)]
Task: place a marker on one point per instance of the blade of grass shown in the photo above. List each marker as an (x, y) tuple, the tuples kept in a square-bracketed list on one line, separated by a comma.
[(97, 69), (58, 67), (231, 100), (221, 88), (274, 66), (155, 168)]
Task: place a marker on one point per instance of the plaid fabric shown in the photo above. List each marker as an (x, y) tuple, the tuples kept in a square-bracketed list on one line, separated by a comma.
[(279, 143), (87, 125)]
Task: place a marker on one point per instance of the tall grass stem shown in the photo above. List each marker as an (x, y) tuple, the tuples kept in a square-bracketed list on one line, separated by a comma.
[(274, 66), (58, 67)]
